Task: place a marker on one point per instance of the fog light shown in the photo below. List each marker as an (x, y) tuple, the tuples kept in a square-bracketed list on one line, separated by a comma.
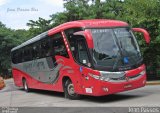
[(105, 89)]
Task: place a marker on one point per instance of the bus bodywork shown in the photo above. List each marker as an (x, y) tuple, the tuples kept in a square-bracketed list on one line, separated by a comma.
[(98, 57)]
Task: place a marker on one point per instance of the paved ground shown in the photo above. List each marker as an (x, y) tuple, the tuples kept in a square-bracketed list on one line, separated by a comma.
[(13, 96)]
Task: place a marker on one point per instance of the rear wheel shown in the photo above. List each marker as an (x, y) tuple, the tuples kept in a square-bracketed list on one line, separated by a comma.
[(69, 90), (25, 85)]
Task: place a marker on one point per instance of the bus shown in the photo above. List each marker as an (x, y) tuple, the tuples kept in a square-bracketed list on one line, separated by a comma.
[(85, 57)]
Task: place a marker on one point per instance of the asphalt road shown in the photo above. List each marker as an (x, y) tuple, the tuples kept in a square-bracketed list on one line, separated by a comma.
[(16, 97)]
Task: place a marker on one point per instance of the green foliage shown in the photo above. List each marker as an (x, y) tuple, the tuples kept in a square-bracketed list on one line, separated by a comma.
[(8, 39), (39, 26)]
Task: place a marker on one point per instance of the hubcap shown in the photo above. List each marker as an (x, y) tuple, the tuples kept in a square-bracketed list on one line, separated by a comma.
[(25, 85), (71, 89)]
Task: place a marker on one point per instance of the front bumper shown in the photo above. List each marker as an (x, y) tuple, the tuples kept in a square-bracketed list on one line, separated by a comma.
[(101, 88)]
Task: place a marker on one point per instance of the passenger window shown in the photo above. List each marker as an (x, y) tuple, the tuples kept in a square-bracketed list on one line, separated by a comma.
[(19, 56), (27, 55), (70, 32), (46, 48), (15, 57), (36, 51), (59, 47)]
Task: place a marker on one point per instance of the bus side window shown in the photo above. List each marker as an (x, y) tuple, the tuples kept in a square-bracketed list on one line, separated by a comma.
[(15, 57), (72, 41), (27, 55), (59, 47), (18, 58), (35, 51), (45, 48)]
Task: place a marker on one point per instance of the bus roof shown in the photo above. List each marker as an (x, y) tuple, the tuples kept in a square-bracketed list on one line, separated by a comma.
[(94, 23), (30, 41)]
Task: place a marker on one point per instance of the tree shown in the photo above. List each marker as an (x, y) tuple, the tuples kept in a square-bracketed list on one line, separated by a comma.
[(8, 39), (145, 14), (139, 13), (39, 26)]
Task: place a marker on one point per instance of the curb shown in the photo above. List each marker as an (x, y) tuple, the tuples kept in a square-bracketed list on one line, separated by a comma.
[(153, 83), (2, 87)]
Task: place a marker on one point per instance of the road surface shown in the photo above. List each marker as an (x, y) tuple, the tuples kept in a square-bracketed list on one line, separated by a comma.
[(16, 97)]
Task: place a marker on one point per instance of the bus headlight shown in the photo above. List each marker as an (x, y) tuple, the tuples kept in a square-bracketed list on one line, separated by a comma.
[(104, 78), (142, 72), (98, 77), (94, 76), (107, 76)]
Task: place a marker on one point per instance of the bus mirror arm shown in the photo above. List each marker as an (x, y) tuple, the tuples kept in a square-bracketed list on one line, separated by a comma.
[(144, 32)]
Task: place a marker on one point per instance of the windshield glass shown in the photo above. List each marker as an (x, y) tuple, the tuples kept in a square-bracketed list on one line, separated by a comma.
[(115, 48)]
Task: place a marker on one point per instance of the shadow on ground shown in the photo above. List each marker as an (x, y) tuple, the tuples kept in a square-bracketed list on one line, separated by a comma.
[(101, 99), (45, 92), (110, 98)]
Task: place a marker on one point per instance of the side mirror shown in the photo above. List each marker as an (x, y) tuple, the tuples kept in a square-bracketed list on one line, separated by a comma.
[(144, 32)]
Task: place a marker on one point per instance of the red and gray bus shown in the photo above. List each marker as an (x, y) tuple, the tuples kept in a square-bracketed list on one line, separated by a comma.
[(86, 57)]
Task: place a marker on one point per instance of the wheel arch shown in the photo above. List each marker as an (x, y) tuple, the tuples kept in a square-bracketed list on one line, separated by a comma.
[(64, 79), (23, 78)]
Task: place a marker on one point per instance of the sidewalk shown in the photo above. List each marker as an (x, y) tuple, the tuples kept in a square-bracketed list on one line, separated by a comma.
[(154, 82)]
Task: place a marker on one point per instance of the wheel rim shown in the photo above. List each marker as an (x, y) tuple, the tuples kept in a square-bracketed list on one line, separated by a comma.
[(71, 90), (25, 85)]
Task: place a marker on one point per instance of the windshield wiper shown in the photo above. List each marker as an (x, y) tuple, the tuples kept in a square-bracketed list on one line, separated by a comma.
[(117, 60), (107, 57), (124, 50), (118, 52)]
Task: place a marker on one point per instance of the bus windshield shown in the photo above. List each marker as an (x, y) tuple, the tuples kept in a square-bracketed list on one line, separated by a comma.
[(115, 49)]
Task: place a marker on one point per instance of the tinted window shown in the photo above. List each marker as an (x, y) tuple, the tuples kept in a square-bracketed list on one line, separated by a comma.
[(20, 56), (69, 32), (14, 54), (72, 41), (59, 47), (26, 54), (46, 49), (36, 51)]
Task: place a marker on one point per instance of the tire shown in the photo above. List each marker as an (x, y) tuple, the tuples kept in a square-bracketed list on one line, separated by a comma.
[(25, 85), (69, 90)]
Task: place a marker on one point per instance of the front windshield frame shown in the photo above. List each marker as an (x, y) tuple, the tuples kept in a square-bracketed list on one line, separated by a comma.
[(119, 54)]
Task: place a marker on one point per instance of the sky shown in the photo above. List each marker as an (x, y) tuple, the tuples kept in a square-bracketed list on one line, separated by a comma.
[(16, 13)]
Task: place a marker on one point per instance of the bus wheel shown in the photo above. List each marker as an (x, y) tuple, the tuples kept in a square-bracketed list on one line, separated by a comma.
[(69, 90), (25, 85)]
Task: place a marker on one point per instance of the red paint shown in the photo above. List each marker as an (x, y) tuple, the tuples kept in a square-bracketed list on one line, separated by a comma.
[(88, 24), (145, 33), (79, 78)]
